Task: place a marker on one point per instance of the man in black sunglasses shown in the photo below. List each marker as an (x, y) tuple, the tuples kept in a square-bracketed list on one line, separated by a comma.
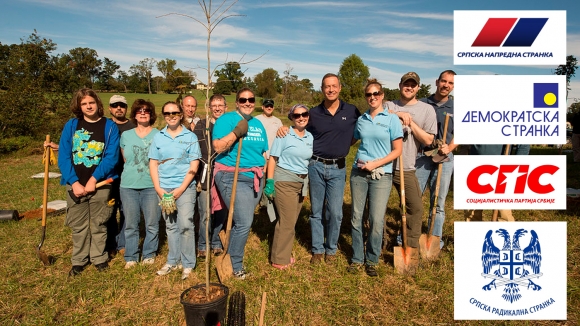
[(116, 238)]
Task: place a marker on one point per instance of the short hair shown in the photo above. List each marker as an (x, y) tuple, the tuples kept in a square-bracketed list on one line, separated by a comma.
[(75, 104), (140, 103), (373, 81), (244, 89), (328, 75), (215, 97), (183, 99), (178, 106), (448, 71)]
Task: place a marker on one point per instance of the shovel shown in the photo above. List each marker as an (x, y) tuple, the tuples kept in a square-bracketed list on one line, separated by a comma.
[(495, 211), (223, 263), (405, 258), (41, 255), (429, 244)]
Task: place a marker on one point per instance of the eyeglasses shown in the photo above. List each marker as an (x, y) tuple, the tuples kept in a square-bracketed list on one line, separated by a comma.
[(118, 104), (269, 106), (375, 94), (217, 106), (305, 114), (143, 111), (243, 100), (172, 114)]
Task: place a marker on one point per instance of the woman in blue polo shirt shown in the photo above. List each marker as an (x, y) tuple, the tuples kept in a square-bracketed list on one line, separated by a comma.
[(287, 178), (371, 177), (173, 162), (228, 129)]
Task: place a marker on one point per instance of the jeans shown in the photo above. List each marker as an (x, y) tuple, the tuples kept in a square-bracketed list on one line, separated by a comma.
[(326, 190), (136, 201), (216, 222), (425, 169), (181, 230), (362, 186), (245, 202)]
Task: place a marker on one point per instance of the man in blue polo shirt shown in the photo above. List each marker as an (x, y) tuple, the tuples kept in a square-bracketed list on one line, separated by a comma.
[(425, 167), (332, 125)]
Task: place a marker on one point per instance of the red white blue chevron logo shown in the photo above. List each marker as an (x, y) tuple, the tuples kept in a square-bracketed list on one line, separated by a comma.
[(496, 30)]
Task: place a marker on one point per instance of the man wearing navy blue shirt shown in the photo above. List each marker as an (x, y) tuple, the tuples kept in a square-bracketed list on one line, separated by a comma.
[(332, 124)]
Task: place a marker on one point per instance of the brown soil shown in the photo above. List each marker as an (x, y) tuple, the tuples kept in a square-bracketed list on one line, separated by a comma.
[(35, 213), (198, 295)]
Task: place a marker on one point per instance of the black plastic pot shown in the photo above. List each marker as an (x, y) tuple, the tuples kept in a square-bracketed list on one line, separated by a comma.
[(9, 215), (207, 313)]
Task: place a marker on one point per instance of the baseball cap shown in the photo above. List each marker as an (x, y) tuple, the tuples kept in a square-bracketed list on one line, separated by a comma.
[(268, 101), (117, 99), (411, 75)]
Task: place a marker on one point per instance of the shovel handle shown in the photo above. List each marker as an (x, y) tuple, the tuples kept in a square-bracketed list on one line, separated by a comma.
[(45, 187), (438, 182), (403, 203), (233, 198)]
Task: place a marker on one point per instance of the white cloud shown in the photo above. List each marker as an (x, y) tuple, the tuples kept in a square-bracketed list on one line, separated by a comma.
[(423, 15), (415, 43)]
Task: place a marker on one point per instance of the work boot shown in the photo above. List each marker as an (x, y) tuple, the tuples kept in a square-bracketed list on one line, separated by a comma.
[(76, 270), (316, 259), (329, 259), (102, 266)]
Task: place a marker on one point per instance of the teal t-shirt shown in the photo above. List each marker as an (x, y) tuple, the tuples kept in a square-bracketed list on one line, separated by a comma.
[(254, 146), (136, 153)]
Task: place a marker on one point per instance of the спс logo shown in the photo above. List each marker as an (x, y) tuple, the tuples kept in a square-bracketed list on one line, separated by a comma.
[(524, 33)]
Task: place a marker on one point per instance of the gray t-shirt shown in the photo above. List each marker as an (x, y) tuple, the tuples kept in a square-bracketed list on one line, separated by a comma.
[(424, 116), (272, 124)]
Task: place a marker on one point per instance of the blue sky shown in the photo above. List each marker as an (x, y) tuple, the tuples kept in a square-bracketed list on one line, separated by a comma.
[(312, 37)]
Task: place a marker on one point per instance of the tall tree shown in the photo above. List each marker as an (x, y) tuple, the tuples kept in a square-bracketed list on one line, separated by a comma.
[(267, 83), (569, 69), (143, 69), (86, 64), (424, 91), (106, 79), (353, 75), (232, 74)]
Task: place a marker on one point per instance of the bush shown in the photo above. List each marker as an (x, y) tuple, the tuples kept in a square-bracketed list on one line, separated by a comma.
[(13, 144)]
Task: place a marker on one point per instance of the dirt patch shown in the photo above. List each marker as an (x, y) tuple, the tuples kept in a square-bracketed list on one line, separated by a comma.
[(36, 213), (198, 295)]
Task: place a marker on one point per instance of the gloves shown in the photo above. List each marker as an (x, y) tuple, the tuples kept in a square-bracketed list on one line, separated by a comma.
[(269, 190), (377, 173), (241, 128), (168, 204)]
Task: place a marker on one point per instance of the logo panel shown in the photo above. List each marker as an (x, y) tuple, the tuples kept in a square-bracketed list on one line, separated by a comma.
[(526, 37), (511, 271), (509, 182)]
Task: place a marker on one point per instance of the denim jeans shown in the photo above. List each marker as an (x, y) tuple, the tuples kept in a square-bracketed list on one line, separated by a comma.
[(216, 222), (425, 169), (245, 202), (326, 190), (362, 186), (181, 230), (136, 201)]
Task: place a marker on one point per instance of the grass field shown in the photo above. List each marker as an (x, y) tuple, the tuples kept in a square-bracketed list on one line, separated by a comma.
[(31, 294)]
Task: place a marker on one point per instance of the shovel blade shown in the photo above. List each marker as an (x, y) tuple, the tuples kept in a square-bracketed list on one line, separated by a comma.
[(223, 265), (43, 257), (222, 236), (429, 247), (406, 260)]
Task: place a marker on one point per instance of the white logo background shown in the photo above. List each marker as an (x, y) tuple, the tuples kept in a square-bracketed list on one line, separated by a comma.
[(469, 238)]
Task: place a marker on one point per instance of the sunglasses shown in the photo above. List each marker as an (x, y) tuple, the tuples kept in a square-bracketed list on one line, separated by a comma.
[(172, 114), (243, 100), (375, 94), (118, 104), (298, 115), (143, 111), (269, 106)]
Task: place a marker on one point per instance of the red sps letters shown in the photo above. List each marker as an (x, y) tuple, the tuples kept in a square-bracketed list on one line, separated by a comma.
[(532, 178)]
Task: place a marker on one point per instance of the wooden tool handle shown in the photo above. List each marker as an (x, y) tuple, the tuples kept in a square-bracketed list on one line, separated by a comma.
[(233, 197), (45, 193)]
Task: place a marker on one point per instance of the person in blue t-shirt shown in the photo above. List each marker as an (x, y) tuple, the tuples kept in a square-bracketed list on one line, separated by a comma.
[(371, 178), (287, 183), (173, 161), (228, 130)]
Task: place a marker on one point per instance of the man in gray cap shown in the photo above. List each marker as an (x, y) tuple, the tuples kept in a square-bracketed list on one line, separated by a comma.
[(115, 237), (419, 129)]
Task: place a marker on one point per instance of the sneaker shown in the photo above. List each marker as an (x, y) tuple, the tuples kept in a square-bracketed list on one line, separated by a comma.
[(371, 270), (217, 252), (316, 259), (186, 272), (201, 255), (241, 274), (148, 261), (329, 259), (102, 266), (179, 266), (130, 264), (354, 268), (76, 270), (281, 267), (166, 269)]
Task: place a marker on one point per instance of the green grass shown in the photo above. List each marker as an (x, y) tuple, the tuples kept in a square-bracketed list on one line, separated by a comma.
[(31, 294)]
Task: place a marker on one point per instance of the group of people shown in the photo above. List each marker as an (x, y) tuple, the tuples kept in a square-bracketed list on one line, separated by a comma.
[(164, 173)]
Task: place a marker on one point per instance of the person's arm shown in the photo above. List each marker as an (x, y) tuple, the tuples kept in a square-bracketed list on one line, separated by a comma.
[(282, 132), (240, 130), (187, 180), (422, 136), (154, 172), (396, 152), (271, 166), (446, 149), (110, 156)]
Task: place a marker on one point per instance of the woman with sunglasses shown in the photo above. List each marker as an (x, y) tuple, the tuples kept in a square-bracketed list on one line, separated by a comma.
[(137, 191), (173, 160), (287, 183), (380, 133), (228, 130)]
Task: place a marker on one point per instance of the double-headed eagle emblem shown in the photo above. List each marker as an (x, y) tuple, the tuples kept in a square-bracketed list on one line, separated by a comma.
[(511, 266)]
